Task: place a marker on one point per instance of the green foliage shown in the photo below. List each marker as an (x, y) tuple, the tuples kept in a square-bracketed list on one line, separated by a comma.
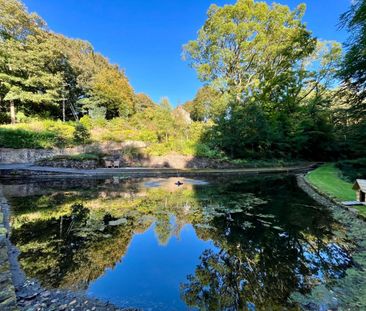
[(202, 106), (142, 102), (243, 43), (111, 89), (39, 67), (351, 114), (18, 138), (353, 169), (81, 134), (37, 134), (86, 121), (268, 94), (269, 89), (354, 64)]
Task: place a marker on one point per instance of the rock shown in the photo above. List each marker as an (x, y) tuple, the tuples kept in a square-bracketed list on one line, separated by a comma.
[(31, 296), (121, 221), (72, 302), (45, 294)]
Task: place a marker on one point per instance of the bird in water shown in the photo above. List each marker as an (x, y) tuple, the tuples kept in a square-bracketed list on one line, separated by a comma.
[(179, 183)]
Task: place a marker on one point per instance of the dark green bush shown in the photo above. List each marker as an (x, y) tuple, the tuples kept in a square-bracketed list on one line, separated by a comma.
[(353, 169), (81, 134)]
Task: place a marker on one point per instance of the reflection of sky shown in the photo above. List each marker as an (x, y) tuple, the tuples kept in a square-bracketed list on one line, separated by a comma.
[(150, 274), (333, 256)]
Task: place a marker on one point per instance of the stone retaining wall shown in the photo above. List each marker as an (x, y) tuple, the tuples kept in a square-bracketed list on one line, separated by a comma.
[(8, 155), (8, 299)]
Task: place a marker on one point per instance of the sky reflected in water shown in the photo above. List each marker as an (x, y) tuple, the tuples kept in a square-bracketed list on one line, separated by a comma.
[(211, 244)]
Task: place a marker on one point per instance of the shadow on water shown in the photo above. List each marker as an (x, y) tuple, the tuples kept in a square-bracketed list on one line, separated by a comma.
[(262, 238)]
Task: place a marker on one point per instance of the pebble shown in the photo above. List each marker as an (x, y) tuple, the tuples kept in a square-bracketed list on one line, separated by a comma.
[(72, 302), (31, 297)]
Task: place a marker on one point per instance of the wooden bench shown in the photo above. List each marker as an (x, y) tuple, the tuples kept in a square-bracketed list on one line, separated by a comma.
[(112, 164), (108, 164)]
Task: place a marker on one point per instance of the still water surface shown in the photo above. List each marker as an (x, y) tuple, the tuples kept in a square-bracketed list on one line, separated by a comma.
[(235, 243)]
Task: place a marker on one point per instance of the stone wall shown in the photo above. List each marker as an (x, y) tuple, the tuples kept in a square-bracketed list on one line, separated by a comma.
[(8, 299), (8, 156), (83, 165)]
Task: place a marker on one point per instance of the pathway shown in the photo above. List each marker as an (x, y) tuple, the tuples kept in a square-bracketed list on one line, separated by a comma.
[(13, 169)]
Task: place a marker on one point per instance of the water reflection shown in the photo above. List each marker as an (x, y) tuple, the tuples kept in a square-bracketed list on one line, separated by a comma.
[(250, 242)]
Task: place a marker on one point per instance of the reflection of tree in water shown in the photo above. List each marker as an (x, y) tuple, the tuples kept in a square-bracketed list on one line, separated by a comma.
[(265, 256), (267, 250)]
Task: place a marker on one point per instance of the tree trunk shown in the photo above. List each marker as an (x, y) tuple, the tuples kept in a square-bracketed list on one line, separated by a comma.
[(63, 111), (12, 112)]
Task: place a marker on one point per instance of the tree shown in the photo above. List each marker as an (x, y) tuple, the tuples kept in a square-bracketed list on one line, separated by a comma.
[(29, 72), (352, 95), (265, 67), (16, 23), (241, 45), (201, 107), (29, 63), (110, 88), (353, 70), (143, 101), (158, 119), (39, 67)]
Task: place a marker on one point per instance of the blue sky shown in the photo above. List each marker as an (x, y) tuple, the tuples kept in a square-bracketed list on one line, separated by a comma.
[(145, 37)]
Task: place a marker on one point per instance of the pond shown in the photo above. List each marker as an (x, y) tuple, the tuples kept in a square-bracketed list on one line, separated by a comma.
[(215, 243)]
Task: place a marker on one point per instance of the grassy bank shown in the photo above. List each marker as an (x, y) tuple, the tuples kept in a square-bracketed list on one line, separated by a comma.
[(328, 179)]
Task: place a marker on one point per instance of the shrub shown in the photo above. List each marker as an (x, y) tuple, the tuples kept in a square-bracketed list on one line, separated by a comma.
[(352, 169), (131, 152), (81, 134), (19, 138), (86, 121), (4, 118), (203, 150)]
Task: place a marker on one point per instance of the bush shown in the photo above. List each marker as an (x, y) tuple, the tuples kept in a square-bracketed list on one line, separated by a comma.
[(352, 169), (4, 118), (132, 152), (18, 138), (81, 134), (86, 121)]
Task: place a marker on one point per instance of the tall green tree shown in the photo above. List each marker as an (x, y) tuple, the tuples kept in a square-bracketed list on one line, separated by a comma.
[(350, 110), (29, 63), (267, 67), (111, 89), (143, 101), (202, 106), (354, 65), (241, 45)]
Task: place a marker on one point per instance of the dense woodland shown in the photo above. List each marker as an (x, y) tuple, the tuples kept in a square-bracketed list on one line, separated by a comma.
[(270, 88)]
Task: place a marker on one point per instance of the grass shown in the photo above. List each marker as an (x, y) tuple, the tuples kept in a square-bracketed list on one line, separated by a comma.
[(328, 179)]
